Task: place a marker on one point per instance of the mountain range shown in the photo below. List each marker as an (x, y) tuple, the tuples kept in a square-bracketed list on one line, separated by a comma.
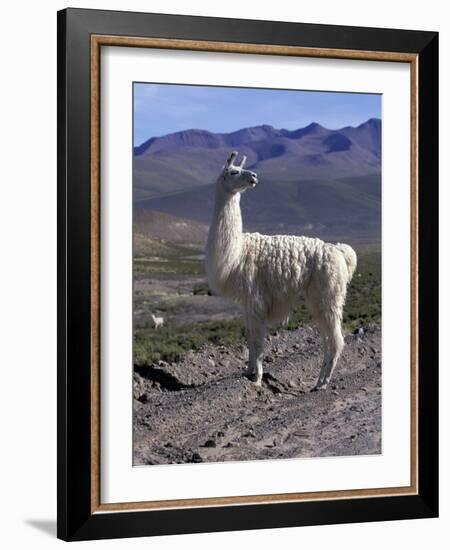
[(313, 180)]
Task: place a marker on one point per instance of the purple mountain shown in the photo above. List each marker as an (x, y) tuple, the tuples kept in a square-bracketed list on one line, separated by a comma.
[(310, 177)]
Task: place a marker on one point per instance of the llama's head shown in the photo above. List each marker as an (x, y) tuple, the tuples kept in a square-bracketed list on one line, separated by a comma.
[(234, 178)]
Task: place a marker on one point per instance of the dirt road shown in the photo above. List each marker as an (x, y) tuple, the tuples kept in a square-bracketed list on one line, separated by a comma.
[(204, 409)]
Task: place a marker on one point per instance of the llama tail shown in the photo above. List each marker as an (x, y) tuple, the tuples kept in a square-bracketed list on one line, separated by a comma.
[(350, 258)]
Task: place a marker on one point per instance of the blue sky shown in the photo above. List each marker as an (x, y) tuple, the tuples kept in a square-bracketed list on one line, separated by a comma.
[(161, 109)]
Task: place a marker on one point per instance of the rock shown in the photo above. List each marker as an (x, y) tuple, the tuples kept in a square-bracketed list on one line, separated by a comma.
[(196, 458), (211, 362), (138, 387), (358, 331), (210, 443), (292, 384)]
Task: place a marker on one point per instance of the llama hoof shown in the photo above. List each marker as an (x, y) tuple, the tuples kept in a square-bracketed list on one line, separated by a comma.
[(319, 387), (253, 377)]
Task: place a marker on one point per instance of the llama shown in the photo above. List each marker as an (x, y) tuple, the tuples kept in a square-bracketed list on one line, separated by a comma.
[(158, 321), (265, 274)]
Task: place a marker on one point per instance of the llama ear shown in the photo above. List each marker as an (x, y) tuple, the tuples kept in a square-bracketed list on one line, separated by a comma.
[(231, 158), (243, 161)]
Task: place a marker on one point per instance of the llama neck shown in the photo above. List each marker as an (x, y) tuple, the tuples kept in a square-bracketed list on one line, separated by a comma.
[(225, 236)]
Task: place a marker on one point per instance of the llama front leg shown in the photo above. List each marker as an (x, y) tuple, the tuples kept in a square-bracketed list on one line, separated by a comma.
[(255, 340)]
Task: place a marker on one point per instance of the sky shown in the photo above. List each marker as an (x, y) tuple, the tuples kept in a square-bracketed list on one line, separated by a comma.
[(161, 109)]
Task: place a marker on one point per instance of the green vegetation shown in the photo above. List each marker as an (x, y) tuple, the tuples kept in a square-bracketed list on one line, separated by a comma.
[(364, 293), (158, 257), (168, 343), (201, 289)]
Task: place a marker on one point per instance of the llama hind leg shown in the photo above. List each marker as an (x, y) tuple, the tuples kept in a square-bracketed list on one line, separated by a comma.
[(325, 299), (335, 344), (318, 316), (326, 357), (255, 337)]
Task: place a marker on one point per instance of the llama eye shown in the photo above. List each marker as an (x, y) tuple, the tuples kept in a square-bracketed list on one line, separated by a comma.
[(234, 172)]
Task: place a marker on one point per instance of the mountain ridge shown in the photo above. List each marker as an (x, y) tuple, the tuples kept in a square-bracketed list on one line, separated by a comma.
[(191, 136)]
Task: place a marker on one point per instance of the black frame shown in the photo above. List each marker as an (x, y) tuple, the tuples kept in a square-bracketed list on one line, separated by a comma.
[(75, 521)]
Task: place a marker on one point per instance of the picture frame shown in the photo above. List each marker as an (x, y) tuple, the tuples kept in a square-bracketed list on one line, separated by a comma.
[(81, 36)]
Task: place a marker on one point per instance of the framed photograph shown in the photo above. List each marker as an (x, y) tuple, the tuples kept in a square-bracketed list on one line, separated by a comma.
[(247, 254)]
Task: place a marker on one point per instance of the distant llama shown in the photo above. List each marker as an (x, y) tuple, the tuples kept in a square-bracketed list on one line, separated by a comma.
[(265, 274), (158, 321)]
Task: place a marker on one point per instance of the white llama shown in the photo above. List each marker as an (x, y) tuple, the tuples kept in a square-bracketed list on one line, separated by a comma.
[(158, 321), (265, 274)]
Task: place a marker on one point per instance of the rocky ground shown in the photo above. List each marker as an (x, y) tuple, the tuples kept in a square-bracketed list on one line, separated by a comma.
[(204, 409)]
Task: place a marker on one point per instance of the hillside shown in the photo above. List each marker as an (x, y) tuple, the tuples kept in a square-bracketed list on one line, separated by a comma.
[(168, 227), (327, 208)]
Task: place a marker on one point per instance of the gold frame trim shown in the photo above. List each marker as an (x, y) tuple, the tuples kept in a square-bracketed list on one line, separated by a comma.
[(97, 41)]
